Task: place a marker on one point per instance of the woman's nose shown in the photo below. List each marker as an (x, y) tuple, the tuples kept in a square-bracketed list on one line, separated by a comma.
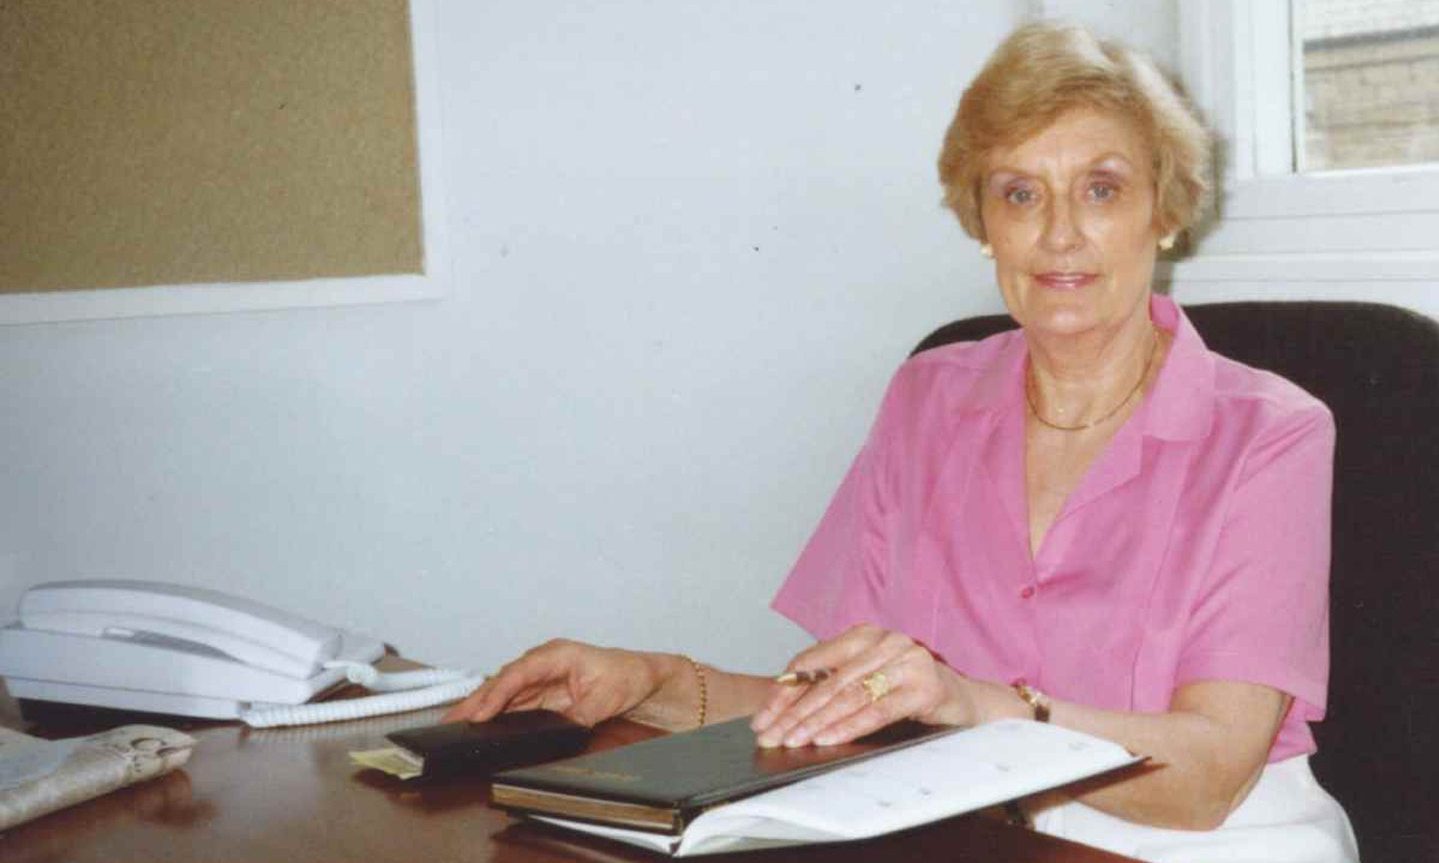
[(1061, 230)]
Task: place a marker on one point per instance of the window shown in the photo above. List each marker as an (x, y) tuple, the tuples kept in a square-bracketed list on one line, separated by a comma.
[(1369, 74), (1326, 193)]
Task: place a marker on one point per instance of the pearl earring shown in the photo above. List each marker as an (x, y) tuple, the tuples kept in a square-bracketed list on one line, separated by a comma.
[(1166, 242), (987, 250)]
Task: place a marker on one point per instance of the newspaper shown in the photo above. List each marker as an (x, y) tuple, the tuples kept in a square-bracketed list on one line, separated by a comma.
[(40, 776)]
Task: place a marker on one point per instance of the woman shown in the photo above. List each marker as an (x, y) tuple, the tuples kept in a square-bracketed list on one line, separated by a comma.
[(1092, 521)]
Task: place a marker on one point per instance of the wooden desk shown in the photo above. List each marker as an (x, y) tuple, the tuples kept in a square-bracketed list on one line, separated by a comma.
[(292, 794)]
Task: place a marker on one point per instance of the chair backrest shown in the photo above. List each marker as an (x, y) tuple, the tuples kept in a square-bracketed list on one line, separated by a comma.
[(1377, 368)]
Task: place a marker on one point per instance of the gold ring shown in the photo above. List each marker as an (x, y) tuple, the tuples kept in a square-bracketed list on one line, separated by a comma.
[(876, 685)]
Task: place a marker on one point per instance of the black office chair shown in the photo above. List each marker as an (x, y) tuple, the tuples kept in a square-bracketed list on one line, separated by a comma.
[(1377, 368)]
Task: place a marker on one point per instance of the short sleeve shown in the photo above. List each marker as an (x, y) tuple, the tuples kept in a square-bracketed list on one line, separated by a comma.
[(840, 577), (1262, 615)]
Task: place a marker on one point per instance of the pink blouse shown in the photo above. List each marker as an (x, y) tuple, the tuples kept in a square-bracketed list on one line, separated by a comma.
[(1195, 548)]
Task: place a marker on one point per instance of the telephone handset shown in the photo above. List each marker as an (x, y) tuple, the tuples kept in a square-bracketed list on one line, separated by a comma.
[(169, 648)]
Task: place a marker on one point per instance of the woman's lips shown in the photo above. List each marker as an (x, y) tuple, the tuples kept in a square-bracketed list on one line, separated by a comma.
[(1064, 281)]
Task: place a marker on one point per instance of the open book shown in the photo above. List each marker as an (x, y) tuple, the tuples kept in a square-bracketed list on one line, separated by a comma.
[(943, 776)]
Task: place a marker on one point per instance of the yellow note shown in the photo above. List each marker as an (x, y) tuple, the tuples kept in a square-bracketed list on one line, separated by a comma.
[(396, 762)]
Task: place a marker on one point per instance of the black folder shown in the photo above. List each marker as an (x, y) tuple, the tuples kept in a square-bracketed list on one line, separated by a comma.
[(660, 784), (507, 740)]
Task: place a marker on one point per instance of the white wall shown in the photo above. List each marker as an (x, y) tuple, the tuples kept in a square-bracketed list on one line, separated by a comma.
[(691, 240), (1148, 25)]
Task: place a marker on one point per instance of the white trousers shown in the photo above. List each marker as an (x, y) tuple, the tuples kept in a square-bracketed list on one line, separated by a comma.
[(1287, 818)]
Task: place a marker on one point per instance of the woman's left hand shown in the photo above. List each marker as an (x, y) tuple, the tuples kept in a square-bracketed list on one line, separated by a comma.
[(877, 677)]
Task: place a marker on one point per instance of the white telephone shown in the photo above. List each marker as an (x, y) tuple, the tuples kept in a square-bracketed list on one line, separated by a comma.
[(167, 648)]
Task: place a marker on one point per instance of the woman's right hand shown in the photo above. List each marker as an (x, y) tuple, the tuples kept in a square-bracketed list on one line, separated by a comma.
[(586, 683)]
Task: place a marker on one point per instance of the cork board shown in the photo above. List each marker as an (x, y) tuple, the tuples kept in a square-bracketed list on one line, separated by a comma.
[(169, 142)]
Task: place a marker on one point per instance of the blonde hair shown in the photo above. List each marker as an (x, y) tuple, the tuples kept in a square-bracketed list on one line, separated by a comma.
[(1044, 70)]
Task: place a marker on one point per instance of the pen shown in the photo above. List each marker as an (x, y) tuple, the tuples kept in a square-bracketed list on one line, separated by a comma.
[(800, 678)]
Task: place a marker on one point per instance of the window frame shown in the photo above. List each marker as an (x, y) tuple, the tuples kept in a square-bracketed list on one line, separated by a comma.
[(1361, 231)]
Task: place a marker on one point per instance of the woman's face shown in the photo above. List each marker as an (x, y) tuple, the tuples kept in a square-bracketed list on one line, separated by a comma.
[(1070, 216)]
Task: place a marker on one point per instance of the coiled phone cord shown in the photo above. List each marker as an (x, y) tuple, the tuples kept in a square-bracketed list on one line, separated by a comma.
[(373, 678), (405, 690)]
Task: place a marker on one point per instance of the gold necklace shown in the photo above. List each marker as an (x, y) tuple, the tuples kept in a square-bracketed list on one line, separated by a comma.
[(1030, 386)]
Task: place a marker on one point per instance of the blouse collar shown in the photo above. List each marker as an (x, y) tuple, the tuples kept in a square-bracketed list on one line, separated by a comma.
[(1180, 405)]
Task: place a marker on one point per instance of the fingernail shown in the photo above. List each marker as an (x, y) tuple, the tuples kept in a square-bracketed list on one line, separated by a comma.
[(766, 741), (797, 737)]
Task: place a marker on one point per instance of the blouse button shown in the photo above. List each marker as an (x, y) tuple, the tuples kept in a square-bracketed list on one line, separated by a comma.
[(1027, 592)]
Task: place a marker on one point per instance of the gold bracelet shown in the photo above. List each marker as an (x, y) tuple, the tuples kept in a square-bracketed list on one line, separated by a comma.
[(704, 690), (1035, 699)]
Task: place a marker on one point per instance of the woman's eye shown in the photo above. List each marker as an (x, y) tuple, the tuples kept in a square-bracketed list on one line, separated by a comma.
[(1019, 195), (1102, 191)]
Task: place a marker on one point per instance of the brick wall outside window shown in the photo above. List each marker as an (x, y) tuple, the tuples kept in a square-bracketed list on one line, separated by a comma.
[(1371, 82)]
